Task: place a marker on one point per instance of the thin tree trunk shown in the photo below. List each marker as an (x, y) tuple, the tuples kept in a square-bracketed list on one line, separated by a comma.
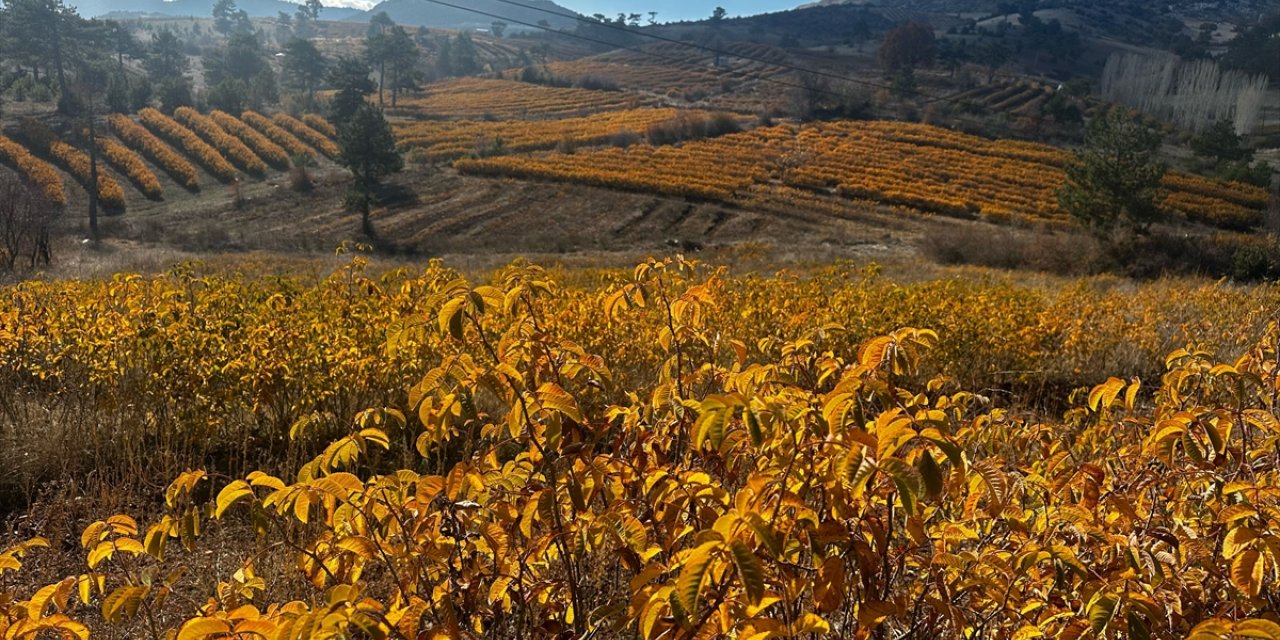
[(57, 61), (93, 177), (365, 224), (382, 82)]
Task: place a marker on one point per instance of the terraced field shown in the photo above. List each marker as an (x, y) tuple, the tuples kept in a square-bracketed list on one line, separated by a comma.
[(146, 159), (841, 167)]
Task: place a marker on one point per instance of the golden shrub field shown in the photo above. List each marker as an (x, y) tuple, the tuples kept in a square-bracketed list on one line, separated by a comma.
[(131, 164), (190, 143), (828, 166), (227, 144), (146, 143), (314, 138), (79, 165), (274, 154), (669, 452), (476, 98), (276, 133), (450, 139), (40, 173)]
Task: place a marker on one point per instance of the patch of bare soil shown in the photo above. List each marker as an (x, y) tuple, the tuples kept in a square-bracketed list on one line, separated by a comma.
[(430, 211)]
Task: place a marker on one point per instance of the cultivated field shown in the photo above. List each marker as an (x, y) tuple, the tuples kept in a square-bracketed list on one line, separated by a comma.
[(513, 336)]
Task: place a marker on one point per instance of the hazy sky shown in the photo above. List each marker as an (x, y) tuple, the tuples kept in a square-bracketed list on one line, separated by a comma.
[(678, 9)]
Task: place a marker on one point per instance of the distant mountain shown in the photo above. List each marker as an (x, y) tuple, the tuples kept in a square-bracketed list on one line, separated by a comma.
[(424, 13), (201, 8)]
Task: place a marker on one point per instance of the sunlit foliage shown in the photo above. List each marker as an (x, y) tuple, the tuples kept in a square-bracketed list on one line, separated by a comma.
[(132, 165), (79, 165), (190, 143), (229, 145), (40, 173), (676, 453), (450, 139), (276, 133), (308, 135), (146, 143), (847, 165)]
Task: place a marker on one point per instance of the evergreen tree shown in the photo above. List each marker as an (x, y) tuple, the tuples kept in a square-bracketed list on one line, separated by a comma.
[(227, 19), (240, 75), (1116, 176), (50, 33), (910, 45), (1220, 142), (303, 67), (402, 61), (167, 61), (349, 76), (466, 60), (367, 148)]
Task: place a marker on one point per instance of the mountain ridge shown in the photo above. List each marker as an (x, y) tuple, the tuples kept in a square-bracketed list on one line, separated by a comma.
[(423, 13), (199, 8)]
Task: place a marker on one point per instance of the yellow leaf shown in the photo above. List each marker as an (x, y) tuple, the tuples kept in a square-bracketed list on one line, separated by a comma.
[(1246, 572), (552, 396), (696, 564), (1027, 632), (231, 494), (873, 612), (202, 628), (1104, 394)]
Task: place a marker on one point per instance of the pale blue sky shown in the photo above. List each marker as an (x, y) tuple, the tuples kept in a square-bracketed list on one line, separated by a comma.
[(678, 9)]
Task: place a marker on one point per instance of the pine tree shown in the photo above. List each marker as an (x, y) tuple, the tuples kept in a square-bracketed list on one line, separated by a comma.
[(368, 148), (1116, 176), (349, 76)]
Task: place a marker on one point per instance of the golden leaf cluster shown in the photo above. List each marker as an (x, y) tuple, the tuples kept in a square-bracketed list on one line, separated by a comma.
[(451, 139), (273, 153), (190, 143), (146, 143), (132, 165), (488, 98), (676, 452), (305, 133), (276, 133), (227, 144), (79, 165), (319, 123), (40, 173)]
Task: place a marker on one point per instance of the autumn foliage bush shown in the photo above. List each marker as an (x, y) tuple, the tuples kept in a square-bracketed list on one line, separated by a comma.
[(191, 144), (40, 173), (478, 98), (124, 160), (319, 123), (451, 139), (146, 143), (78, 164), (672, 453), (274, 154), (276, 133), (308, 135), (229, 145)]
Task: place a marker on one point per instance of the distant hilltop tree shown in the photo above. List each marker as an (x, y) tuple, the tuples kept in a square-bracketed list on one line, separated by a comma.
[(910, 45)]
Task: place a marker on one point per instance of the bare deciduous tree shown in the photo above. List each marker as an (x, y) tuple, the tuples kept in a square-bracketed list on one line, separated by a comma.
[(26, 224), (1192, 94)]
